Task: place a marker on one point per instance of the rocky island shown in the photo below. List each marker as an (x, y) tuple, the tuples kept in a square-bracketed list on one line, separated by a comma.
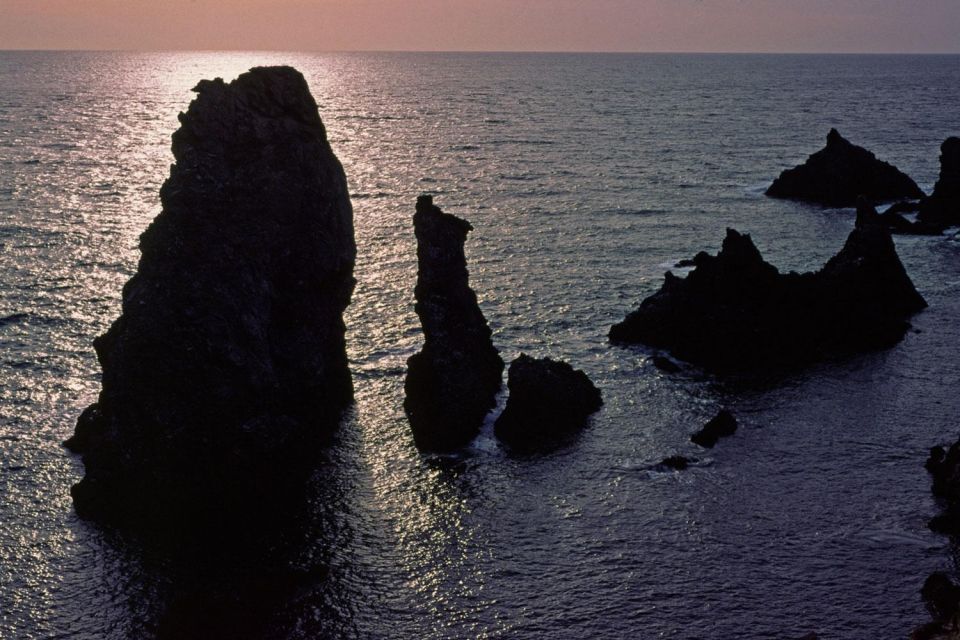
[(839, 173), (735, 313), (549, 401), (227, 364), (452, 383)]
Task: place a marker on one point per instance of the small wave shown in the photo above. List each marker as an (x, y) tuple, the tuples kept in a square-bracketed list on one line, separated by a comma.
[(60, 146), (522, 141), (465, 147), (13, 318), (638, 212), (365, 196), (372, 374)]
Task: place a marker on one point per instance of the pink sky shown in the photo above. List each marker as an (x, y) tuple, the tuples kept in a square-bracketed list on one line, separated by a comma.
[(486, 25)]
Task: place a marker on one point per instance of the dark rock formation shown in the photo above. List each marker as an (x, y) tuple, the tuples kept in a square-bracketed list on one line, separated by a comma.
[(943, 206), (940, 594), (452, 383), (942, 598), (549, 401), (737, 313), (893, 221), (228, 361), (721, 425), (944, 467), (837, 174)]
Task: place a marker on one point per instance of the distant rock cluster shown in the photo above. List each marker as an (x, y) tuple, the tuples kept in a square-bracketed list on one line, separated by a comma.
[(845, 175), (452, 383)]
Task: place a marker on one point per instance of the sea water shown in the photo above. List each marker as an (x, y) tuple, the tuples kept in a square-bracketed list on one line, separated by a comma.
[(585, 177)]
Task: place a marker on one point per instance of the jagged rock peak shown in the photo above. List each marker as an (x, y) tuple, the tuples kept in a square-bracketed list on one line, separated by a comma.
[(228, 361), (839, 173), (735, 313), (453, 381)]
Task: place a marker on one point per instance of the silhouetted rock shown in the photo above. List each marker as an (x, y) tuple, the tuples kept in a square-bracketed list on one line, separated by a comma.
[(837, 174), (944, 467), (943, 206), (453, 381), (736, 313), (722, 425), (548, 401), (228, 363), (942, 598), (893, 221)]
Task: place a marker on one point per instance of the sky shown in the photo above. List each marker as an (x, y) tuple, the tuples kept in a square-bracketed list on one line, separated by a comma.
[(843, 26)]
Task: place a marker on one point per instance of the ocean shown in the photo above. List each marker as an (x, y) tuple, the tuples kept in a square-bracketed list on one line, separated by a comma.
[(586, 177)]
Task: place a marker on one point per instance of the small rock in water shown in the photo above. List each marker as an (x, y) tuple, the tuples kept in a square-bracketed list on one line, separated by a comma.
[(720, 426), (548, 401), (675, 463)]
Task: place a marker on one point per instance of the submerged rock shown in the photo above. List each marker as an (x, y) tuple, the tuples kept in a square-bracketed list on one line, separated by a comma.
[(453, 381), (721, 425), (674, 463), (549, 400), (943, 206), (665, 364), (840, 172), (736, 313), (228, 362)]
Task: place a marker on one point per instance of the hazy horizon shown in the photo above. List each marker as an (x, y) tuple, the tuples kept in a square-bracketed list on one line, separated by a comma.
[(603, 26)]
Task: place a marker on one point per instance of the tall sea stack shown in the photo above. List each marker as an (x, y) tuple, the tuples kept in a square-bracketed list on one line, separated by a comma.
[(453, 381), (228, 362), (943, 206)]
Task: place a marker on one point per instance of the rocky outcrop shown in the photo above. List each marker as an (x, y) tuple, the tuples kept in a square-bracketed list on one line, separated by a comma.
[(837, 174), (942, 598), (940, 594), (549, 401), (944, 467), (453, 381), (943, 206), (721, 425), (736, 313), (894, 221), (228, 361)]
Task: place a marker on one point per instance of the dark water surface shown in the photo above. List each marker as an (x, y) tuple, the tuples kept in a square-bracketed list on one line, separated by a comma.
[(585, 176)]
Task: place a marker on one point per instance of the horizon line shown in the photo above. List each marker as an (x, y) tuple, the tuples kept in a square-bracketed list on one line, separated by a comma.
[(485, 51)]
